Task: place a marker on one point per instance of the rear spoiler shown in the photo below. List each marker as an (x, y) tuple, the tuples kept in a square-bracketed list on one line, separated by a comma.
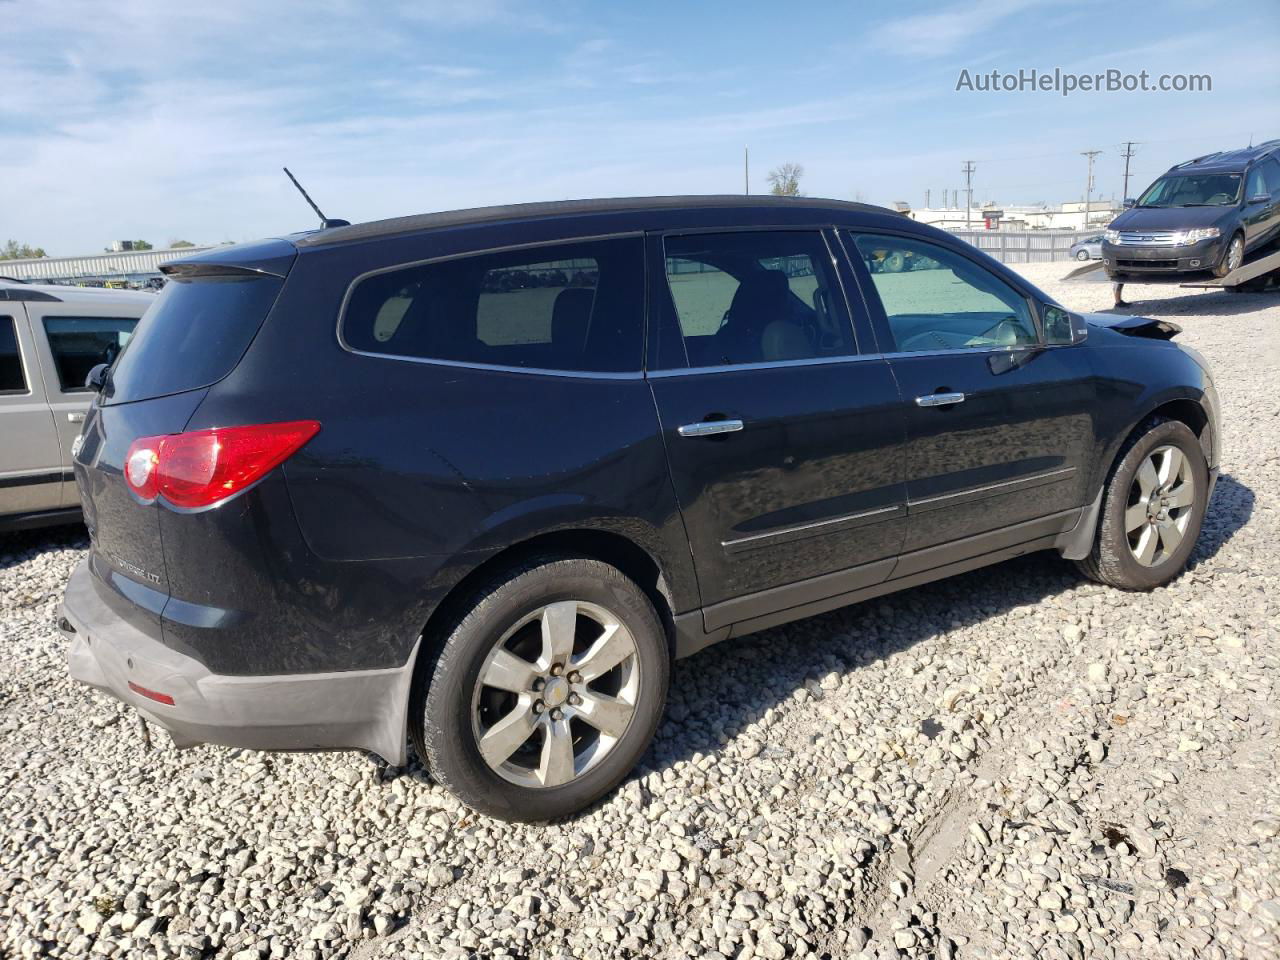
[(264, 257), (1147, 327)]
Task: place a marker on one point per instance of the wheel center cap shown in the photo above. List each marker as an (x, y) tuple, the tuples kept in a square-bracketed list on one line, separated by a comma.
[(555, 692)]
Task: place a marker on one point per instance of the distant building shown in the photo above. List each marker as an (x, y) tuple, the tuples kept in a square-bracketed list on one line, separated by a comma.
[(126, 265), (1066, 216)]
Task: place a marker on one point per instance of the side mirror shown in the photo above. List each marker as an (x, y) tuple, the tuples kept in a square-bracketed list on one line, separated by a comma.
[(1062, 328), (1260, 198), (1129, 202), (97, 378)]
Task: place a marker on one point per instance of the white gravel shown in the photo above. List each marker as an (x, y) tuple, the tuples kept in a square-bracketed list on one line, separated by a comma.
[(1014, 763)]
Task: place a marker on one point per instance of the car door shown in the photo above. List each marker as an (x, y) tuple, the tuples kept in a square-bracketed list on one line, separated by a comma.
[(31, 467), (999, 424), (1266, 211), (784, 443), (70, 340)]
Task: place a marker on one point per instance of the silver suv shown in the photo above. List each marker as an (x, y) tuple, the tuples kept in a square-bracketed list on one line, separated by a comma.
[(50, 338)]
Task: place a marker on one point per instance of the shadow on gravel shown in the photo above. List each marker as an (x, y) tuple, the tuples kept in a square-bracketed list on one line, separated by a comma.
[(719, 692), (19, 547), (1200, 304), (1229, 510)]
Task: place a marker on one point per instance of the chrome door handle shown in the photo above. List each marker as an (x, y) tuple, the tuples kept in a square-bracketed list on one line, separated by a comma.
[(709, 428), (75, 417), (939, 399)]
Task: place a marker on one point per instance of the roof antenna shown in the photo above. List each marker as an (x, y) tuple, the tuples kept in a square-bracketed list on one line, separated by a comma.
[(325, 222)]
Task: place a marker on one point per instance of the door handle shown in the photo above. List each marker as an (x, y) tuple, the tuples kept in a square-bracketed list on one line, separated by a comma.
[(939, 399), (709, 428), (75, 417)]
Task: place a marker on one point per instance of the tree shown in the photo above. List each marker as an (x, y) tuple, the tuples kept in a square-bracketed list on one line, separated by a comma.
[(784, 181), (180, 244), (13, 250), (141, 245)]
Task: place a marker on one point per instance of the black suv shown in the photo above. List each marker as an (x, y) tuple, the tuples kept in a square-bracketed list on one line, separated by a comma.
[(1202, 216), (473, 479)]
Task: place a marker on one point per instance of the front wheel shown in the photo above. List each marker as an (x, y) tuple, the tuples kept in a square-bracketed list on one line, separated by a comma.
[(546, 693), (1152, 509), (1082, 254), (1232, 258)]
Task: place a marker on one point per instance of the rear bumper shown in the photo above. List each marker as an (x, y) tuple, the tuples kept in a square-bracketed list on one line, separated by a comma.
[(358, 709)]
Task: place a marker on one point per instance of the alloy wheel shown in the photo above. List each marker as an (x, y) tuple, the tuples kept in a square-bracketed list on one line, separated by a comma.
[(1161, 500), (555, 694), (1235, 254)]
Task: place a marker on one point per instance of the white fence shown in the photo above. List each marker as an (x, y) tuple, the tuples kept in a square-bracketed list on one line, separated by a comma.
[(1025, 246)]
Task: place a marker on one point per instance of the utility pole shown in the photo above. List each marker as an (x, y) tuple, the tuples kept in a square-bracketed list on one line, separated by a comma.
[(746, 171), (926, 199), (967, 170), (1088, 187), (1128, 152)]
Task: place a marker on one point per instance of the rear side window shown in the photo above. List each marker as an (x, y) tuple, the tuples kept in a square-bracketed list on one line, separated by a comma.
[(12, 379), (79, 344), (576, 307), (193, 335)]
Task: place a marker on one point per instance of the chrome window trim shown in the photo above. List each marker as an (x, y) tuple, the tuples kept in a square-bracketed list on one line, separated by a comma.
[(763, 365), (636, 374)]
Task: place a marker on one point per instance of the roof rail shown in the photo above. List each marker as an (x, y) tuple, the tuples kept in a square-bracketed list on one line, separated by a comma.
[(1207, 156)]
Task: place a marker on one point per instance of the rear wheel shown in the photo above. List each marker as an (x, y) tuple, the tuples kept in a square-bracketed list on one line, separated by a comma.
[(546, 693), (1152, 509)]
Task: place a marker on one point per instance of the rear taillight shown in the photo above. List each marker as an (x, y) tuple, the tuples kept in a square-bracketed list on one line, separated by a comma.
[(198, 469)]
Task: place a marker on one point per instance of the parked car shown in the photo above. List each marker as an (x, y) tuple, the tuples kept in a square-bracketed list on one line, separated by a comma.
[(1089, 248), (50, 337), (1204, 215), (350, 488)]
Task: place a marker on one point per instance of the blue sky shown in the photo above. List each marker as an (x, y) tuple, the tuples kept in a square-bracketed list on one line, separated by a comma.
[(162, 120)]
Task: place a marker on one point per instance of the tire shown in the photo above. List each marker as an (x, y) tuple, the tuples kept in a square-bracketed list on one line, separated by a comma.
[(1082, 254), (502, 634), (1234, 253), (1117, 558)]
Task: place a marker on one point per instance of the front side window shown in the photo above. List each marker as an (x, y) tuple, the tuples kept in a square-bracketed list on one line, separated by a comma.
[(12, 379), (935, 299), (1193, 190), (1257, 184), (79, 344), (575, 307), (756, 297)]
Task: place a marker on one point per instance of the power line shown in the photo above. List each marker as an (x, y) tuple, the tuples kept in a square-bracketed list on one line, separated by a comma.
[(1088, 186), (1128, 152), (967, 170)]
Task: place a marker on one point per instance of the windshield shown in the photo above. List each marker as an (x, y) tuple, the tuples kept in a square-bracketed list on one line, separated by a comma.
[(1193, 190)]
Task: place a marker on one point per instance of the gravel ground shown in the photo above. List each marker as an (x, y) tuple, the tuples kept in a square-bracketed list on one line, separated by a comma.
[(1014, 763)]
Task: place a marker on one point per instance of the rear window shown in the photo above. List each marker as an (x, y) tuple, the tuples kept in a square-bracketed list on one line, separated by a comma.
[(575, 307), (193, 335)]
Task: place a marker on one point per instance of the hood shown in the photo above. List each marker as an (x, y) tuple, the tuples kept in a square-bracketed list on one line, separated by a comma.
[(1147, 327), (1170, 218)]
